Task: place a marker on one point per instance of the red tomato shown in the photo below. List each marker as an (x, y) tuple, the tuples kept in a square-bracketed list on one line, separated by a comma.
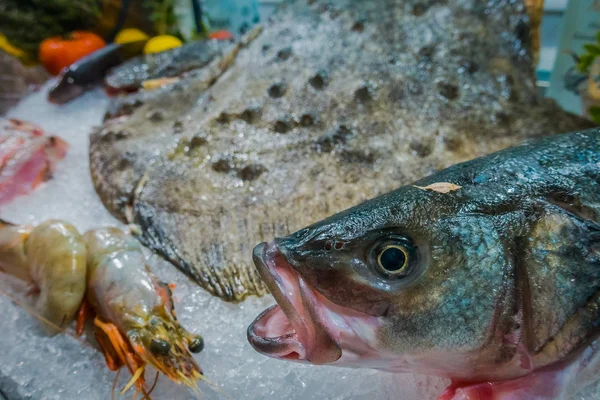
[(57, 52), (221, 35)]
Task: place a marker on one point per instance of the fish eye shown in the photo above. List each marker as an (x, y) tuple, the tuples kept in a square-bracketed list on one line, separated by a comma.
[(196, 345), (160, 347), (393, 257)]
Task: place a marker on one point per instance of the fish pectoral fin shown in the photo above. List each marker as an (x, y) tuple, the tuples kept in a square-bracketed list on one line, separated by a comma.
[(543, 385), (575, 333), (556, 382)]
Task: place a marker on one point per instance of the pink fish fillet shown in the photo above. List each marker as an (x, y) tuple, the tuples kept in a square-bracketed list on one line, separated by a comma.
[(27, 161), (23, 126), (9, 147)]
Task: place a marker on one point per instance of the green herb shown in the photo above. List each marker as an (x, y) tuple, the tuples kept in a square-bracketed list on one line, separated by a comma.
[(25, 23), (592, 51), (594, 113), (163, 17)]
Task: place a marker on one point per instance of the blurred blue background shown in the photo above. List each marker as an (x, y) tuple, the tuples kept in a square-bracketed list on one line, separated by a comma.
[(554, 11)]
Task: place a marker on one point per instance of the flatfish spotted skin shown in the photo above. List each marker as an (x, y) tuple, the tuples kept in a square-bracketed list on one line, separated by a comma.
[(333, 103)]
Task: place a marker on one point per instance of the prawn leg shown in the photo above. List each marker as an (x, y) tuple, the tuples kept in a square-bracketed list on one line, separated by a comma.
[(32, 290), (111, 357), (85, 311), (121, 349)]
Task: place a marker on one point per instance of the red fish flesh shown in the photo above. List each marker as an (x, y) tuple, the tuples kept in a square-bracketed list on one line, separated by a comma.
[(28, 157)]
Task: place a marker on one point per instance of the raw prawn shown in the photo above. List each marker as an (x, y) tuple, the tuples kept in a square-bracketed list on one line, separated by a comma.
[(51, 257), (104, 273), (135, 312)]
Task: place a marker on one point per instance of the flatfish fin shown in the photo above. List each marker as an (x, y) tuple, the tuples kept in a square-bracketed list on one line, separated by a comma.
[(192, 240)]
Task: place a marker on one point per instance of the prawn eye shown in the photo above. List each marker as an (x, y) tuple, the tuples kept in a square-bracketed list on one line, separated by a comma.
[(160, 347), (196, 345)]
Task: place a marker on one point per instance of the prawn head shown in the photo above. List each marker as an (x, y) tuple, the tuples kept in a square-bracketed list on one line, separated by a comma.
[(165, 345)]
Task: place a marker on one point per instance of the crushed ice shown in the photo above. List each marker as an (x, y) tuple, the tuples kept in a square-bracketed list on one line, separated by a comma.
[(35, 366)]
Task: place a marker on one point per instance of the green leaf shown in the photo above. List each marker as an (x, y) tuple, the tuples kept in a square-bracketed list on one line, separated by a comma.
[(594, 112), (592, 49), (598, 37), (585, 62)]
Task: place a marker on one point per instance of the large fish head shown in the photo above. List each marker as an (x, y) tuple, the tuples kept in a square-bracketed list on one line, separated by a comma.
[(402, 282)]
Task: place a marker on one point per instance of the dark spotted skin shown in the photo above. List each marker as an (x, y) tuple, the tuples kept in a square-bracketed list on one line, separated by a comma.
[(506, 269)]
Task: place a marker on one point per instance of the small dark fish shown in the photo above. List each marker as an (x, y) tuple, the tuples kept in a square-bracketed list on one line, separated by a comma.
[(88, 72), (487, 273), (172, 63)]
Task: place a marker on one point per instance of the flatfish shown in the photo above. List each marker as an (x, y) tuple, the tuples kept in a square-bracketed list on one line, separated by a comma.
[(335, 102)]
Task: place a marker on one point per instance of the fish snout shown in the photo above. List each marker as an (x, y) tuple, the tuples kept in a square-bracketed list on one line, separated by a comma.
[(294, 329)]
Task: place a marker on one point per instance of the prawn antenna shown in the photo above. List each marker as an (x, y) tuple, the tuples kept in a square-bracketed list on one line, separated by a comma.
[(114, 385), (214, 386), (153, 385), (134, 378)]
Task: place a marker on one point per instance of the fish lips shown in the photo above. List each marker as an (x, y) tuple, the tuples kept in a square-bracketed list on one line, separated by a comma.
[(296, 328)]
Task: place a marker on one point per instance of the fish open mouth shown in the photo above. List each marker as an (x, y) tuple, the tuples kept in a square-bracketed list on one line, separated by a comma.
[(297, 327)]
